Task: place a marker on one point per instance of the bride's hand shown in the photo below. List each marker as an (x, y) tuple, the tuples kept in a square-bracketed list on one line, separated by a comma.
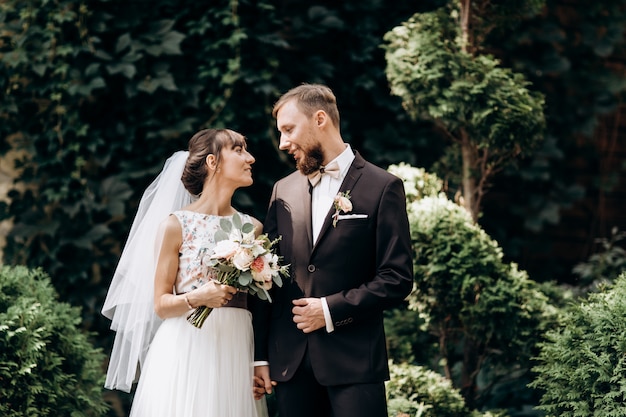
[(214, 294)]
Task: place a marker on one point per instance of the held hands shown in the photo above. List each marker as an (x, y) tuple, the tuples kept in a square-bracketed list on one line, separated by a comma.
[(262, 383), (308, 314)]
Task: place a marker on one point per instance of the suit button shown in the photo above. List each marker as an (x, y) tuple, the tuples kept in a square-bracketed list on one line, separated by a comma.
[(311, 268)]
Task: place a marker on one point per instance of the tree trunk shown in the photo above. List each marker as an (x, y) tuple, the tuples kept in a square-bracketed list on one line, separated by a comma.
[(467, 151), (468, 176), (465, 22), (469, 371)]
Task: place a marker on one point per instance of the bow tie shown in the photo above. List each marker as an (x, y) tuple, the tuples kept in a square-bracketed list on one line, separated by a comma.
[(331, 169)]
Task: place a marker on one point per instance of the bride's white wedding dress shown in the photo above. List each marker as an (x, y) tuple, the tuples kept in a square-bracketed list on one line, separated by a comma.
[(199, 372)]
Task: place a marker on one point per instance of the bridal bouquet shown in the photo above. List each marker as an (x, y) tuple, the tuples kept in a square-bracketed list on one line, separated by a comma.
[(240, 260)]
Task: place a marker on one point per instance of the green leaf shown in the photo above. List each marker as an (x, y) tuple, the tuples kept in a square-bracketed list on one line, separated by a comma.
[(247, 228), (115, 194), (147, 85), (126, 69), (220, 235), (162, 27), (39, 69), (262, 294), (226, 225), (245, 278), (90, 239), (237, 221), (171, 43), (92, 69), (277, 280), (123, 42)]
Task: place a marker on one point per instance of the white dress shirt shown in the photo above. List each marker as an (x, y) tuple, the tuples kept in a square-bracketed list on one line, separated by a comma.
[(324, 193), (322, 199)]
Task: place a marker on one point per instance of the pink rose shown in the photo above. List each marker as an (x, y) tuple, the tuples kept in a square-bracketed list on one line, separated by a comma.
[(343, 203), (262, 271)]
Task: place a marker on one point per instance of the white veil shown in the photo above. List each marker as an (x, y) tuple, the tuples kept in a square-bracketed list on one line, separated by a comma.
[(130, 301)]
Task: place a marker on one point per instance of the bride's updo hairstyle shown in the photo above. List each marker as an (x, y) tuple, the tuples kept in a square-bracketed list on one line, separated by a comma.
[(201, 145)]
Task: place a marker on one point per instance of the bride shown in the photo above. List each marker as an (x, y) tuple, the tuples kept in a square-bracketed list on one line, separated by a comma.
[(185, 371)]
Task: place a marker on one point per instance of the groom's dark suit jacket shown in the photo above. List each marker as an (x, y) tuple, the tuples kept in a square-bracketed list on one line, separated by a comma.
[(362, 266)]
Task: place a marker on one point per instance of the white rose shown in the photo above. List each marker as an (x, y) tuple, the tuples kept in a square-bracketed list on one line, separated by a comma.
[(242, 259), (225, 249)]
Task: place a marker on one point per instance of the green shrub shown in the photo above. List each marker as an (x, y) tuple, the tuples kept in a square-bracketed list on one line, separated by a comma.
[(582, 365), (483, 315), (47, 365), (486, 313), (414, 391), (418, 183)]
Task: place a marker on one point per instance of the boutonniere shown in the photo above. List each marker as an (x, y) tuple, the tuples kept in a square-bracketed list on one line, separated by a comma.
[(342, 204)]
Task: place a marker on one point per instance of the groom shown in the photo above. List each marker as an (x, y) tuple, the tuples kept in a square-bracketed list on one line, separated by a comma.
[(344, 231)]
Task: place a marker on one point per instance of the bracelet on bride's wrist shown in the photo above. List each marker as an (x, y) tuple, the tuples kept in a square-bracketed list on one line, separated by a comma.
[(188, 303)]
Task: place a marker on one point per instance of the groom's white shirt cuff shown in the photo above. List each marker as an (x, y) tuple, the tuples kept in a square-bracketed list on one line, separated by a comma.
[(327, 317), (260, 363)]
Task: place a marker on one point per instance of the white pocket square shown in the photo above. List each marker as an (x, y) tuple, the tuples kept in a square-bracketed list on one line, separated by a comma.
[(351, 216)]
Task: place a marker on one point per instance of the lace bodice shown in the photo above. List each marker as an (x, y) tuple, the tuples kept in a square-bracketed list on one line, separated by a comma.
[(198, 231)]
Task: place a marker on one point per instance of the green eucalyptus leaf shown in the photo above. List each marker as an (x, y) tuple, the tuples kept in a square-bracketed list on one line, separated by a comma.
[(226, 225), (245, 278), (278, 280), (221, 235), (247, 228), (237, 221), (261, 293)]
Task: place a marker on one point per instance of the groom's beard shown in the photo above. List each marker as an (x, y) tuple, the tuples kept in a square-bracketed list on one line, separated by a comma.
[(312, 160)]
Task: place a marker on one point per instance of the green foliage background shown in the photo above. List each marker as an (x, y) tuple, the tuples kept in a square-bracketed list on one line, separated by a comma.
[(98, 93)]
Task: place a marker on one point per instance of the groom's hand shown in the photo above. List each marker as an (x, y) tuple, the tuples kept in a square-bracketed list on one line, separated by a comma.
[(262, 383), (308, 314)]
